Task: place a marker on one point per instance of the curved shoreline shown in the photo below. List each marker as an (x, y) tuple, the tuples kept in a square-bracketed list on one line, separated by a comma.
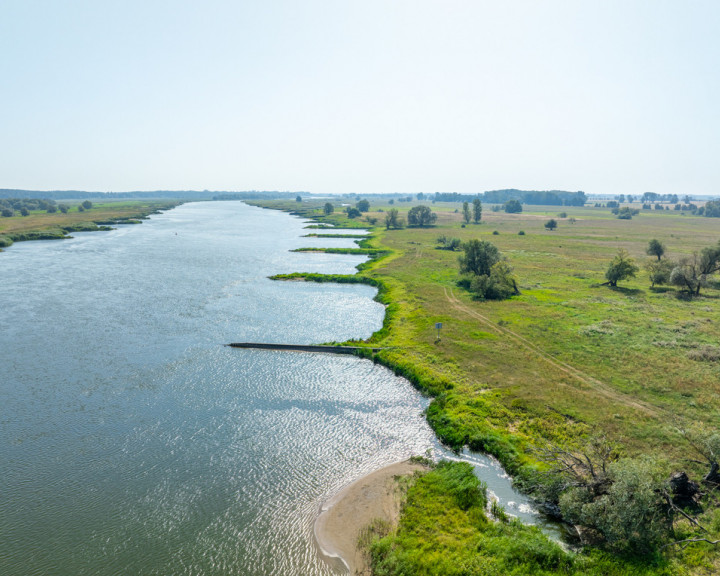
[(342, 517)]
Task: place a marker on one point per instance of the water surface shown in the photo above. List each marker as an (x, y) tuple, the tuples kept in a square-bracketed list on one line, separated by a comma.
[(133, 442)]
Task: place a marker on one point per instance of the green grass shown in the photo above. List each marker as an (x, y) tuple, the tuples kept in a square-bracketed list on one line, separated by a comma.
[(566, 359), (444, 529), (39, 225)]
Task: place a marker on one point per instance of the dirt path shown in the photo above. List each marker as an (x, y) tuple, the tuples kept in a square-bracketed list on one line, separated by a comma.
[(595, 384)]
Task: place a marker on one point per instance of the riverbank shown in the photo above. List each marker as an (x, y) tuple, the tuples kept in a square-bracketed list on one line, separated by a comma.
[(43, 225), (342, 518), (564, 362)]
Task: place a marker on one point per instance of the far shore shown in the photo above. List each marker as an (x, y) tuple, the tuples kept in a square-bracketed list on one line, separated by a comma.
[(337, 528)]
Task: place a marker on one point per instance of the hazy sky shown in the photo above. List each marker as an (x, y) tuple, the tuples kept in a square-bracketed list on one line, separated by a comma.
[(361, 96)]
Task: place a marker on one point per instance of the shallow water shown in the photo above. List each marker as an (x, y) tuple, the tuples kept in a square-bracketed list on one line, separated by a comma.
[(133, 442)]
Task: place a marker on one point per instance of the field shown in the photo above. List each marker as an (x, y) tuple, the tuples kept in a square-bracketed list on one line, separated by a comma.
[(567, 359)]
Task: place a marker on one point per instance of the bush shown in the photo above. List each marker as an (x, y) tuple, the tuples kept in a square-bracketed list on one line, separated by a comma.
[(659, 271), (496, 233), (521, 233), (5, 241)]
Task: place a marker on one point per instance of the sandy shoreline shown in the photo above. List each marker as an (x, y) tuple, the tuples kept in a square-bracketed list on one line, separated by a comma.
[(341, 518)]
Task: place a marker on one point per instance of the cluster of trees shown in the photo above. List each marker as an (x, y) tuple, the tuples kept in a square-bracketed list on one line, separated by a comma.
[(10, 207), (23, 206), (711, 209), (625, 213), (543, 198), (454, 197), (474, 214), (689, 273), (485, 272), (512, 207), (654, 197)]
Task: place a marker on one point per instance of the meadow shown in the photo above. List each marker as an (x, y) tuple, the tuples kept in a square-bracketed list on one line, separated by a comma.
[(568, 359)]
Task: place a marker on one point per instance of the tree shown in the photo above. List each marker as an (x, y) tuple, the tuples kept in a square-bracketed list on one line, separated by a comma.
[(466, 212), (479, 257), (298, 198), (421, 217), (692, 273), (24, 211), (87, 204), (551, 224), (622, 267), (499, 285), (513, 207), (363, 205), (487, 275), (51, 209), (477, 210), (352, 212), (655, 248), (80, 208), (8, 212), (392, 219), (328, 208), (64, 208)]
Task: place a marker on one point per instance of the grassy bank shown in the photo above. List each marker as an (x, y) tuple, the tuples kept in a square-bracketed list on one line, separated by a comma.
[(565, 360), (41, 225)]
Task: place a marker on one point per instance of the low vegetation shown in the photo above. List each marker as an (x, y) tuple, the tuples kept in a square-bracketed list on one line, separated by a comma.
[(549, 370), (34, 219)]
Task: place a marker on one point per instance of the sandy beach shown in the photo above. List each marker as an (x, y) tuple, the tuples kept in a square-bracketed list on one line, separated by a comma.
[(341, 518)]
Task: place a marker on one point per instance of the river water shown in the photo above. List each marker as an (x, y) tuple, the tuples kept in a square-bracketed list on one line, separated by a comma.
[(133, 442)]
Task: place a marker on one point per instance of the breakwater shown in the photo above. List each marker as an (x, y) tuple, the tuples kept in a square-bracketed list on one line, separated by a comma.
[(303, 347)]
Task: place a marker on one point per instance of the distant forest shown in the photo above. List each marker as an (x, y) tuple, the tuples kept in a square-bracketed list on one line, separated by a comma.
[(538, 197), (178, 194)]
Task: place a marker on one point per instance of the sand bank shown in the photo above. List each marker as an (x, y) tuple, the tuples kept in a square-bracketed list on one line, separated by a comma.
[(341, 518)]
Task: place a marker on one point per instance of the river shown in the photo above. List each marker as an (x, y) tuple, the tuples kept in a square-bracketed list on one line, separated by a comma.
[(133, 442)]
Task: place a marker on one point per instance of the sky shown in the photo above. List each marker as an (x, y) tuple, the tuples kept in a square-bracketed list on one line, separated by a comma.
[(370, 96)]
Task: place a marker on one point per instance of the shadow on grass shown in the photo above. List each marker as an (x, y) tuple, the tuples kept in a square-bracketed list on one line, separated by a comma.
[(627, 291), (661, 289)]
